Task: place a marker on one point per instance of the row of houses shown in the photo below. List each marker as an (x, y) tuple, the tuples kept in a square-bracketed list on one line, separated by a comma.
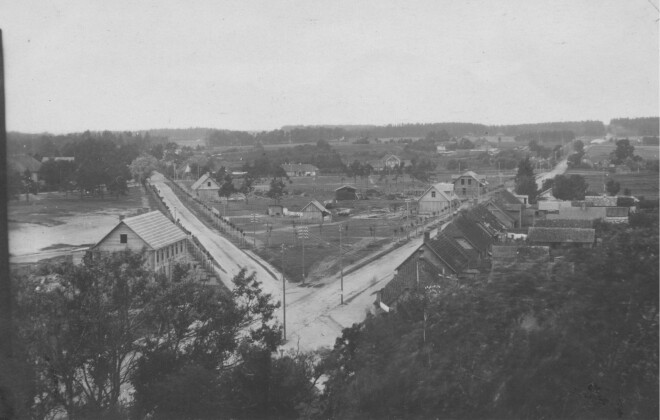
[(464, 246)]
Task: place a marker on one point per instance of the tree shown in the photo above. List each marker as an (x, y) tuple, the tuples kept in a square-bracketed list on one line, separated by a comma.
[(525, 180), (612, 187), (355, 169), (571, 187), (578, 146), (80, 325), (142, 167), (277, 189), (624, 150), (227, 186)]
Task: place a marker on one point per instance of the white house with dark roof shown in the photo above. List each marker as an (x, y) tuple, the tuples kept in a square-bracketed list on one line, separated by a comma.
[(163, 242), (206, 188)]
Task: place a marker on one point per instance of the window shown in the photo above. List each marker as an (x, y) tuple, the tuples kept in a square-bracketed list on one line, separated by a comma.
[(464, 191), (157, 256), (469, 182), (432, 194), (462, 181), (123, 238), (167, 252), (208, 184)]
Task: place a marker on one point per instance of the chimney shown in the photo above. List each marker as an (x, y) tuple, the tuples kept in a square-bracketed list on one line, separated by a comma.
[(121, 217)]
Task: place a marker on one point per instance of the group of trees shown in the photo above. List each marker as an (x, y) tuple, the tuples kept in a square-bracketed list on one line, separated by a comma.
[(526, 181), (648, 126), (578, 342), (187, 350)]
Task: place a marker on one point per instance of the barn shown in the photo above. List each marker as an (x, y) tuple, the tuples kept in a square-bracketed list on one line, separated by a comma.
[(346, 192)]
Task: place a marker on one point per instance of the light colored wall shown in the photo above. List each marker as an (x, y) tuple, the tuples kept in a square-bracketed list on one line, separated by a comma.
[(430, 204)]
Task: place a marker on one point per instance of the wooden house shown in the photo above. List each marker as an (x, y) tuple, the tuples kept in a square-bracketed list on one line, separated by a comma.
[(315, 211), (163, 242), (469, 185), (437, 200), (206, 188)]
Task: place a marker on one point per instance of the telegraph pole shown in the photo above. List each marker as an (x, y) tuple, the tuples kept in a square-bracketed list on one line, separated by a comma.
[(341, 266), (303, 232), (283, 295), (254, 230)]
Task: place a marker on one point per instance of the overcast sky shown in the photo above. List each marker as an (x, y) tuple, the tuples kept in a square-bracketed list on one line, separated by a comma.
[(128, 65)]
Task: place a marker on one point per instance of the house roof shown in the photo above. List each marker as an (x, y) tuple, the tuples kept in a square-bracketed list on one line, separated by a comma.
[(616, 211), (561, 235), (388, 157), (200, 182), (299, 167), (23, 162), (346, 187), (153, 228), (470, 230), (601, 200), (406, 278), (471, 174), (319, 206), (564, 223), (481, 214), (451, 252), (587, 213), (505, 196)]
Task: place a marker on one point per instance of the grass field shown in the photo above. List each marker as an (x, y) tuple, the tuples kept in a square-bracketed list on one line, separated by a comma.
[(640, 184), (598, 152)]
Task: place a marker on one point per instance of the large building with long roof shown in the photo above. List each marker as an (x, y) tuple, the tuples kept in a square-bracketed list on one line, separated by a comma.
[(163, 242)]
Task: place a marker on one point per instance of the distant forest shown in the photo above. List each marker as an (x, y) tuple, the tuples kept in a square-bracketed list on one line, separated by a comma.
[(649, 126)]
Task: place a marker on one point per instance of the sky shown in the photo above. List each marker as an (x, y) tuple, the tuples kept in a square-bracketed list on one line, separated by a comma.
[(80, 65)]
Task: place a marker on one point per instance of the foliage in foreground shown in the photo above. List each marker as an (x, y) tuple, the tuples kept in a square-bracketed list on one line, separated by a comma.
[(109, 339), (581, 342)]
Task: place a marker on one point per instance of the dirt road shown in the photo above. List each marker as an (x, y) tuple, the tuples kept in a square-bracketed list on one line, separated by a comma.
[(314, 314)]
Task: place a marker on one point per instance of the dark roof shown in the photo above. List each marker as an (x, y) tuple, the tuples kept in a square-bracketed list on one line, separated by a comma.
[(564, 223), (505, 196), (449, 251), (616, 212), (475, 234), (481, 214), (561, 235), (406, 279), (22, 162), (346, 187)]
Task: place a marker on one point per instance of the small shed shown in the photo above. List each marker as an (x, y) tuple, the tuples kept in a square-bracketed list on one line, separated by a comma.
[(555, 237), (315, 211), (346, 192), (275, 210)]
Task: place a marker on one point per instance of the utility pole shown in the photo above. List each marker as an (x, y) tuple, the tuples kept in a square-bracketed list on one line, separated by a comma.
[(283, 295), (303, 232), (341, 267), (254, 230)]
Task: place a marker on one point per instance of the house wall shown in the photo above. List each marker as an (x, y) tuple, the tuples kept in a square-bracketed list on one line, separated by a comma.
[(166, 257), (467, 186), (434, 205), (207, 194), (312, 213)]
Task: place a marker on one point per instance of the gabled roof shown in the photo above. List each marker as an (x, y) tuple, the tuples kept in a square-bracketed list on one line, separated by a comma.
[(316, 204), (153, 228), (481, 214), (470, 230), (387, 157), (22, 162), (471, 174), (444, 194), (299, 167), (505, 196), (406, 278), (450, 252), (204, 178), (348, 187), (561, 235)]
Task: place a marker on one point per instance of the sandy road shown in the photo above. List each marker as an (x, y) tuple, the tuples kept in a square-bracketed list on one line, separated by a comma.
[(314, 315)]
